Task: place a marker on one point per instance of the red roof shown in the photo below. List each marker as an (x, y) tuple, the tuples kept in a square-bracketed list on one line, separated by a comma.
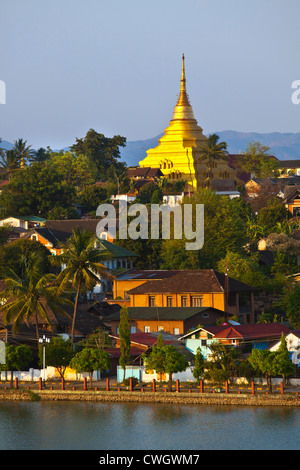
[(146, 339), (259, 330)]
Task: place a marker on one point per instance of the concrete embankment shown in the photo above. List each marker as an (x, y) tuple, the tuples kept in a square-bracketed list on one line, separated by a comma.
[(288, 399)]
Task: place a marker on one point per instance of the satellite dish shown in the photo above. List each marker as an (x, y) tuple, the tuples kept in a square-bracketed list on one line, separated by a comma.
[(64, 336)]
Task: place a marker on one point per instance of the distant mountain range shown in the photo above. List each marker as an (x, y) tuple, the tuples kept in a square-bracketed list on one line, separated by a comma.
[(284, 146)]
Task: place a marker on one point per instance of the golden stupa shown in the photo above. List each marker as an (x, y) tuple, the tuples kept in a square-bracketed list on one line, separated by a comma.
[(179, 149)]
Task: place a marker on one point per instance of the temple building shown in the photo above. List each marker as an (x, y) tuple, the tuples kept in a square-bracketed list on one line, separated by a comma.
[(179, 152)]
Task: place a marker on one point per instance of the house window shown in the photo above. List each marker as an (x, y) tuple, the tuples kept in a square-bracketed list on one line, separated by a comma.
[(34, 237), (160, 328), (151, 300), (183, 301), (203, 342), (175, 331), (196, 301), (133, 329), (169, 301), (146, 329)]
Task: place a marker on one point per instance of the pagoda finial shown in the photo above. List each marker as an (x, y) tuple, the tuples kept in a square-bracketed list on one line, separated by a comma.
[(183, 74)]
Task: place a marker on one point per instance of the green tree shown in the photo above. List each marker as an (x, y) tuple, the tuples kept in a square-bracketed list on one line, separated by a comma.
[(17, 358), (167, 360), (103, 151), (289, 302), (15, 254), (32, 296), (91, 196), (124, 335), (145, 194), (265, 362), (284, 364), (257, 159), (199, 365), (75, 170), (243, 268), (36, 189), (224, 231), (160, 341), (10, 162), (223, 362), (23, 151), (83, 266), (212, 152), (269, 216), (40, 156), (89, 360), (59, 353)]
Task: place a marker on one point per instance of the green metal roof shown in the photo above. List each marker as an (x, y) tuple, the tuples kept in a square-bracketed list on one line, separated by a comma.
[(162, 313), (115, 250), (31, 218)]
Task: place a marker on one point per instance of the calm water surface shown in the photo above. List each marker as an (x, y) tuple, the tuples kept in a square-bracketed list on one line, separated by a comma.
[(128, 426)]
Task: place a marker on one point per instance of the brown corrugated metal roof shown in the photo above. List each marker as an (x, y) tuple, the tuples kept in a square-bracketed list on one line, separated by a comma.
[(202, 280)]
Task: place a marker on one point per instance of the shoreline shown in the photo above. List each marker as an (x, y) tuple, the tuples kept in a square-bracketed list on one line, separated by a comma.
[(181, 398)]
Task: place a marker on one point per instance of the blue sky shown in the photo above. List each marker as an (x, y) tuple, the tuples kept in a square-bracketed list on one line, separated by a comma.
[(114, 66)]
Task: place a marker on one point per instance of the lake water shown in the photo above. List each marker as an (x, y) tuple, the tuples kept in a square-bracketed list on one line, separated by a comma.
[(130, 426)]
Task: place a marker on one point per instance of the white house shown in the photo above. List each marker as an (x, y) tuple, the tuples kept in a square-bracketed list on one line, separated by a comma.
[(293, 346), (24, 222)]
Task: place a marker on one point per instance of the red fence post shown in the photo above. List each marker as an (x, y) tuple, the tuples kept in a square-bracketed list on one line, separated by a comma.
[(177, 385), (153, 386), (40, 383), (107, 384), (130, 384), (226, 387), (252, 388), (16, 383), (62, 383), (201, 386), (84, 383), (281, 388)]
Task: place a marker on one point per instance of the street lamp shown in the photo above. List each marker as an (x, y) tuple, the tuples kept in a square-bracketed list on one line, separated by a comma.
[(44, 340)]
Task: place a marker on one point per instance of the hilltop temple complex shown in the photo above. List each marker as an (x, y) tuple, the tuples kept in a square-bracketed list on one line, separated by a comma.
[(179, 152)]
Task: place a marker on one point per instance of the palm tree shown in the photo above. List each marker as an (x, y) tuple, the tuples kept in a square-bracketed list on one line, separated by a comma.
[(40, 156), (213, 151), (10, 161), (83, 266), (32, 295), (23, 152)]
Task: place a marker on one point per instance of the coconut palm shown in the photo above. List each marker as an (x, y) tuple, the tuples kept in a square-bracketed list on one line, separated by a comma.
[(213, 151), (83, 267), (9, 162), (31, 296), (40, 156), (23, 152)]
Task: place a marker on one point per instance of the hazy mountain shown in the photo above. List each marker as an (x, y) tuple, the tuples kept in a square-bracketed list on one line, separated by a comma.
[(4, 144), (285, 146)]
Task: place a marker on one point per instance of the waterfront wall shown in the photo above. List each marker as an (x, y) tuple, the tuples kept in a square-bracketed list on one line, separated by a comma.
[(221, 399)]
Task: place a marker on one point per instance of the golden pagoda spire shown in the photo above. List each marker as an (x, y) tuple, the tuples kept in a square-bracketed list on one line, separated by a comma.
[(183, 109)]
